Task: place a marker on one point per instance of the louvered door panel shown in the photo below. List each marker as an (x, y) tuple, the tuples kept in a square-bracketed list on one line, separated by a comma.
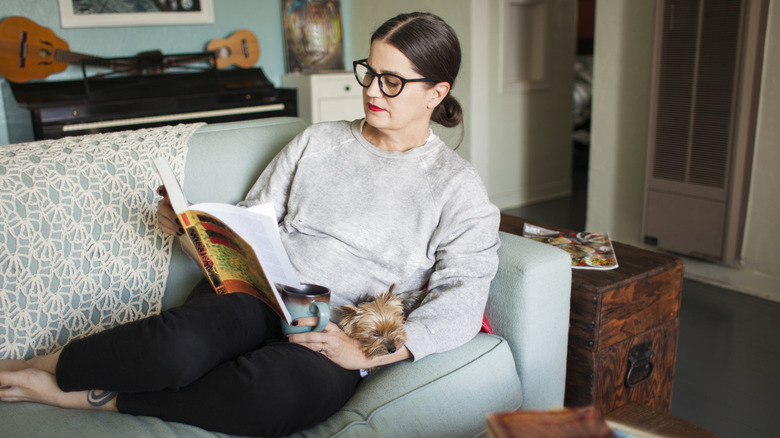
[(700, 79), (715, 80), (675, 96)]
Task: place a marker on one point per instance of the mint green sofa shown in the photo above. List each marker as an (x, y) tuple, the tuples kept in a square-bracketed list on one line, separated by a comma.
[(448, 395)]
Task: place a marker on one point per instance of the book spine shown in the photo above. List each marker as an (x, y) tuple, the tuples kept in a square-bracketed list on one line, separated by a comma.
[(192, 228)]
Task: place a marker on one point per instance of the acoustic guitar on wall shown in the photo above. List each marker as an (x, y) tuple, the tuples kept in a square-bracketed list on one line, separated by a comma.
[(29, 51)]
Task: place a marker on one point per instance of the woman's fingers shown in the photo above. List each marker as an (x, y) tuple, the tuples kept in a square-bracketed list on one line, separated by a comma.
[(333, 343), (167, 218)]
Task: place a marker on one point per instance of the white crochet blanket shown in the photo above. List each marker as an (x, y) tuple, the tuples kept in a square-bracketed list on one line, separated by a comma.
[(79, 246)]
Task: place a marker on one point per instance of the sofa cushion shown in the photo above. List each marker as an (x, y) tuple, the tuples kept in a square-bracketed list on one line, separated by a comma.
[(31, 420), (442, 395)]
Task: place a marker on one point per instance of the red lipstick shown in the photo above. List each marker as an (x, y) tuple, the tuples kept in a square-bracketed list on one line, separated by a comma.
[(374, 108)]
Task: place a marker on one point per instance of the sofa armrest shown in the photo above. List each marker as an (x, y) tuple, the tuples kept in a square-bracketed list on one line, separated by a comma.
[(529, 307)]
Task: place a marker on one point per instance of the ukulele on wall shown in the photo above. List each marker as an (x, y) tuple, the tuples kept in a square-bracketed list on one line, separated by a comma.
[(30, 51)]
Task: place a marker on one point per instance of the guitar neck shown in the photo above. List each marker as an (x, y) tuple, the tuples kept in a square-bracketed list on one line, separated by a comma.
[(79, 58), (177, 60), (138, 61)]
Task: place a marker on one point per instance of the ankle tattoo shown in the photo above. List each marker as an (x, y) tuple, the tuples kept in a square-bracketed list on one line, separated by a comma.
[(98, 398)]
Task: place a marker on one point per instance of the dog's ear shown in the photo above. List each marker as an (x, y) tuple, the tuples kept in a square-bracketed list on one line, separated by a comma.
[(348, 310), (347, 317), (393, 301), (344, 312), (386, 296)]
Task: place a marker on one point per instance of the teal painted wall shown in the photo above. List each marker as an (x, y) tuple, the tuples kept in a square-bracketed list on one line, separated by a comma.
[(263, 17)]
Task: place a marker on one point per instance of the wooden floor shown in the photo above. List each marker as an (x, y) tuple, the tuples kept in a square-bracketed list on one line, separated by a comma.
[(727, 378)]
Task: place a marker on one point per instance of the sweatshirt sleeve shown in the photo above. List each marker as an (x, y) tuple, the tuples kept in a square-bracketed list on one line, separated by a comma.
[(466, 243)]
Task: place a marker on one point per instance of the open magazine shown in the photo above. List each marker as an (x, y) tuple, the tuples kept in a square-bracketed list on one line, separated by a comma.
[(587, 250), (239, 249)]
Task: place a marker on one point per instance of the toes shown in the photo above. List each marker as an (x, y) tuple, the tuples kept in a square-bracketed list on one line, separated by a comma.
[(25, 385), (8, 391)]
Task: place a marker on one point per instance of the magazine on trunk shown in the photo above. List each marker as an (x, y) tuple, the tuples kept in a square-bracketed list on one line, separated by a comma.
[(587, 250)]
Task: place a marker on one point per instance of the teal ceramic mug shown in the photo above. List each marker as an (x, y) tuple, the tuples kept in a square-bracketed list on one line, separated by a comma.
[(308, 300)]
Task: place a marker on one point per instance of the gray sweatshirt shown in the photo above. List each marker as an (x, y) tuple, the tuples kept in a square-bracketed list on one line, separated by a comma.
[(357, 219)]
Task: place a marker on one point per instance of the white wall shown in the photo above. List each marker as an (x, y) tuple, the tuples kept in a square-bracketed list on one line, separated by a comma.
[(622, 61), (621, 97), (761, 247), (526, 136), (520, 143)]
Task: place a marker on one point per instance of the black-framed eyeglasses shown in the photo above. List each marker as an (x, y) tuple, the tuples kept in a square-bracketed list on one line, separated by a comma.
[(390, 84)]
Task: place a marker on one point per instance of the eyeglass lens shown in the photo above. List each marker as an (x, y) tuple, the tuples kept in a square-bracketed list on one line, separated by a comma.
[(390, 84)]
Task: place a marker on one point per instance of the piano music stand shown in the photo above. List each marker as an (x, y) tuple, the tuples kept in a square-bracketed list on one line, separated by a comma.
[(149, 63)]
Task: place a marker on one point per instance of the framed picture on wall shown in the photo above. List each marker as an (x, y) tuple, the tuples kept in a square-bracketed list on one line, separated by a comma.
[(100, 13), (313, 36)]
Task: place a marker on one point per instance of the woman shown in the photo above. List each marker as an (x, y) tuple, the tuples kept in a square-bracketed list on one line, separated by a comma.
[(362, 205)]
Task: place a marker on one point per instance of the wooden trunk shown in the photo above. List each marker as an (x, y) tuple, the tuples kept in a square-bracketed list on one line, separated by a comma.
[(623, 331)]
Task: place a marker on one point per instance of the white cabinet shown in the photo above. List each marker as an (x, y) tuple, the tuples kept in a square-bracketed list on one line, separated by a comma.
[(327, 96)]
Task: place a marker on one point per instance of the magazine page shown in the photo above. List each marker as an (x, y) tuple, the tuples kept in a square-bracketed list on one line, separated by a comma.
[(239, 249), (587, 250), (172, 186), (259, 229), (256, 224), (231, 263)]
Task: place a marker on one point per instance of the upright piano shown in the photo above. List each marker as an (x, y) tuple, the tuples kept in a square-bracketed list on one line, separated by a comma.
[(103, 104)]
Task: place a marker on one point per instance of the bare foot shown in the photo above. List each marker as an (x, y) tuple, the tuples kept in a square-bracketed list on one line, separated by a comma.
[(30, 385), (34, 385)]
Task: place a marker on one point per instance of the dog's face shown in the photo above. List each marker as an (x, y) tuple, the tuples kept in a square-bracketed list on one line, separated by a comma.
[(378, 325)]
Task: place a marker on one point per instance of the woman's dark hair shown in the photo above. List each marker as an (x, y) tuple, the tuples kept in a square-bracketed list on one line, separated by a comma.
[(433, 48)]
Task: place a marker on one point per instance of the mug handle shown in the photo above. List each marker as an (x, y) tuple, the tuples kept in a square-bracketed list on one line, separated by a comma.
[(318, 308)]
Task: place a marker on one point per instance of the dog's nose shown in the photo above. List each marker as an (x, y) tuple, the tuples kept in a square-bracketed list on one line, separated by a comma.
[(391, 350)]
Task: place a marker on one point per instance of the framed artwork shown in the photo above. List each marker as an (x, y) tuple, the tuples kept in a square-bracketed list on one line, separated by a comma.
[(313, 36), (103, 13)]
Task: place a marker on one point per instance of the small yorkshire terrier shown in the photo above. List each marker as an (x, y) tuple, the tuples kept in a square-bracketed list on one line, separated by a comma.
[(378, 322)]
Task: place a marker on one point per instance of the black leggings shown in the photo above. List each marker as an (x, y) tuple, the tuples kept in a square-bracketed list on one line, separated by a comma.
[(219, 362)]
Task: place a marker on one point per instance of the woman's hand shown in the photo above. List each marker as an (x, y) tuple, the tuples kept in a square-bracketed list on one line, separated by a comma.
[(340, 348), (166, 217)]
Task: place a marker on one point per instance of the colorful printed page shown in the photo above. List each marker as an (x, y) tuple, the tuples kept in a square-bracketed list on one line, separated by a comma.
[(261, 233), (235, 263), (239, 249), (587, 250)]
